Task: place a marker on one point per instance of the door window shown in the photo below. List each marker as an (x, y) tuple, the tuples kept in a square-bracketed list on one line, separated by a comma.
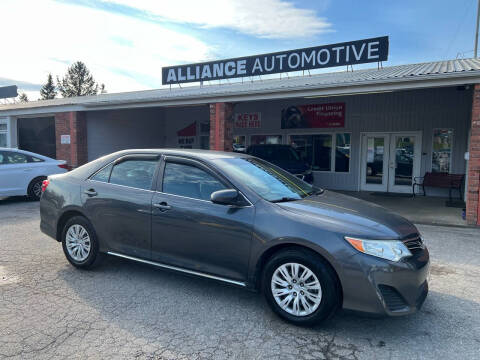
[(189, 181), (136, 173), (103, 175), (9, 157)]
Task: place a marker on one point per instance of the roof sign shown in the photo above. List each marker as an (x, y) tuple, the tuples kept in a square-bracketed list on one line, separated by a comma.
[(341, 54)]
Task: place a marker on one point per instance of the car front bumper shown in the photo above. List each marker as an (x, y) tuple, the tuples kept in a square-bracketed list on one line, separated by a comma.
[(383, 287)]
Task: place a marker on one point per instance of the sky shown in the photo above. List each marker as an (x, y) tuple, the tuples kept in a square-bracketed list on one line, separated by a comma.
[(125, 43)]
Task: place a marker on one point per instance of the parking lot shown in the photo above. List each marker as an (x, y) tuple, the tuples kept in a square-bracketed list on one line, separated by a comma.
[(50, 310)]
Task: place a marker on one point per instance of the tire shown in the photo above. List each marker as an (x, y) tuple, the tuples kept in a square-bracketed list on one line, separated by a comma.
[(34, 190), (322, 303), (78, 230)]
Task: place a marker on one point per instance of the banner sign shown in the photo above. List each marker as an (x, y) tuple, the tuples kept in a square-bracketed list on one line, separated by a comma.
[(330, 115), (341, 54), (248, 120)]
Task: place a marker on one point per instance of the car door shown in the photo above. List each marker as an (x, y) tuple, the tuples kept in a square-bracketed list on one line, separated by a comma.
[(15, 173), (117, 199), (191, 232)]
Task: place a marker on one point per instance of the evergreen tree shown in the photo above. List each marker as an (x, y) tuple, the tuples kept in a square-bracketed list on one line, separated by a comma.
[(48, 90), (78, 81), (23, 97)]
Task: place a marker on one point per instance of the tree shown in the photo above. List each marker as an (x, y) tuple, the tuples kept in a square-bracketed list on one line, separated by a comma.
[(23, 97), (78, 81), (48, 90)]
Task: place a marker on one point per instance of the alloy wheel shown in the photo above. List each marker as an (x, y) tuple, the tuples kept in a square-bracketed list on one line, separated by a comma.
[(78, 242), (37, 189), (296, 289)]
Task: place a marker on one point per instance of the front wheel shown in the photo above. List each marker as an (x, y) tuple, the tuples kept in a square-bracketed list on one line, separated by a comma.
[(80, 243), (301, 287)]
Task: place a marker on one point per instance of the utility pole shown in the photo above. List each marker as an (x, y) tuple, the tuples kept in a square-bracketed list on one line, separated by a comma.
[(476, 29)]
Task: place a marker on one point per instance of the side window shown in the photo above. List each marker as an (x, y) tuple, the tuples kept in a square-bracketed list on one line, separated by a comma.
[(14, 158), (135, 173), (34, 159), (103, 175), (3, 157), (189, 181)]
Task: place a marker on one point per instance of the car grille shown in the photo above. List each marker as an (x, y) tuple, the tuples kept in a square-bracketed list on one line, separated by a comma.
[(392, 298), (414, 243)]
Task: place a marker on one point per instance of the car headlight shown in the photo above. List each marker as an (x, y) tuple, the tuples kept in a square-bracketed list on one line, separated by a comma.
[(393, 250)]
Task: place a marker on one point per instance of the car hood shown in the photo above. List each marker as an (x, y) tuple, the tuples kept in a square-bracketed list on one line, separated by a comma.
[(353, 216)]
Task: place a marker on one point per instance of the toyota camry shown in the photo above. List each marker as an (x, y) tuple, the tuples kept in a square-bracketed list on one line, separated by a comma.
[(238, 219)]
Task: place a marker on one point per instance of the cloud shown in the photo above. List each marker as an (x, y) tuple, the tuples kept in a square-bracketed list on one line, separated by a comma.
[(51, 35), (273, 19)]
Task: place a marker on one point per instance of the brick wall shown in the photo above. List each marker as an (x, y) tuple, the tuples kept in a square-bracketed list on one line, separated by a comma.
[(473, 208), (73, 124), (221, 126)]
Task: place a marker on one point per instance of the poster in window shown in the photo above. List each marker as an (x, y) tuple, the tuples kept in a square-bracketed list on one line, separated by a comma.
[(331, 115), (186, 136), (442, 150)]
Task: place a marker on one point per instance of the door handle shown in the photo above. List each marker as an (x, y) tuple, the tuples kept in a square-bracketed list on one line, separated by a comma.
[(90, 192), (163, 206)]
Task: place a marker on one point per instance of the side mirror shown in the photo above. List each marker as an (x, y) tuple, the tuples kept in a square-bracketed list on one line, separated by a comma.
[(225, 197)]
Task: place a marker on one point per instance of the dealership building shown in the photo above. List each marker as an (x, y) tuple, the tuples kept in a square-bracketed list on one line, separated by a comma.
[(359, 130)]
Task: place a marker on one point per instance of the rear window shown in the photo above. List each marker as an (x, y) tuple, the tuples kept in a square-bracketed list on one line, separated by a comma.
[(134, 173)]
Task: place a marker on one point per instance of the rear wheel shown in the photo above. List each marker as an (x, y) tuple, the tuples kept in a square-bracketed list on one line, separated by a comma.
[(34, 190), (80, 243), (301, 287)]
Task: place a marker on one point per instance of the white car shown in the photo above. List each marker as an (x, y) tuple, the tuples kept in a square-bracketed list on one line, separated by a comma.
[(22, 172)]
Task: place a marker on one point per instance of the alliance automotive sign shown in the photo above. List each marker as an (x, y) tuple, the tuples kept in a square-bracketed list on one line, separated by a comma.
[(347, 53)]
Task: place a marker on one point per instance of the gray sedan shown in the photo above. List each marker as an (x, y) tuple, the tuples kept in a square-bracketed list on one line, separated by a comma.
[(241, 220)]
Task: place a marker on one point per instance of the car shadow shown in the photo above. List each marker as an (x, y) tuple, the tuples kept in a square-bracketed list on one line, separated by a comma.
[(14, 199), (172, 309)]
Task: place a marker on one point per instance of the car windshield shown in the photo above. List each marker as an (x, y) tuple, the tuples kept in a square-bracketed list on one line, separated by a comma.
[(267, 180), (277, 153)]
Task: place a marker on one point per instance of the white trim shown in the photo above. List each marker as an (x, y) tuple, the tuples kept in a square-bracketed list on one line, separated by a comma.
[(389, 184), (7, 132)]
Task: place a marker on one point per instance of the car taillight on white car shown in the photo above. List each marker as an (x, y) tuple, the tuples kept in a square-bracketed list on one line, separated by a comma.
[(45, 184), (64, 166)]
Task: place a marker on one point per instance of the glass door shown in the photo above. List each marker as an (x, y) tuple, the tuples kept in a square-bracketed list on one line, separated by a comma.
[(404, 161), (390, 161), (375, 155)]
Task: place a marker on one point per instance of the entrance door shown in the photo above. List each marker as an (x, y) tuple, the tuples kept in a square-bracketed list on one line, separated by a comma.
[(390, 161)]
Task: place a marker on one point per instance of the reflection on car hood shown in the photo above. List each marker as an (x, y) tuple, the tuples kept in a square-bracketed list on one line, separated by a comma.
[(354, 216)]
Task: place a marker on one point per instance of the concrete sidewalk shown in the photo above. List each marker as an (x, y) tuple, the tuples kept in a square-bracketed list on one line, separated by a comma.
[(419, 210)]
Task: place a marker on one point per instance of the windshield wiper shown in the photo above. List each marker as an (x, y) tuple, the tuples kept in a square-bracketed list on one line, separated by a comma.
[(316, 192), (284, 199)]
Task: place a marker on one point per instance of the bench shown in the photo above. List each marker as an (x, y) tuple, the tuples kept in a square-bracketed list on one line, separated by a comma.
[(440, 180)]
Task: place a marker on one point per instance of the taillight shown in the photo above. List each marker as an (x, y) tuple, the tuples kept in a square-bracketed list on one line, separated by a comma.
[(64, 166), (45, 184)]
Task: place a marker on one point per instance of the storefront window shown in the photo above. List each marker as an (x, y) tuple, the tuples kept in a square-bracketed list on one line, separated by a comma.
[(239, 143), (265, 139), (205, 142), (442, 150), (316, 150), (322, 151), (3, 134), (342, 152)]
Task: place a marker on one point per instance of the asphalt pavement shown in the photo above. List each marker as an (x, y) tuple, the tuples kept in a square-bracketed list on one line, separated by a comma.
[(50, 310)]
